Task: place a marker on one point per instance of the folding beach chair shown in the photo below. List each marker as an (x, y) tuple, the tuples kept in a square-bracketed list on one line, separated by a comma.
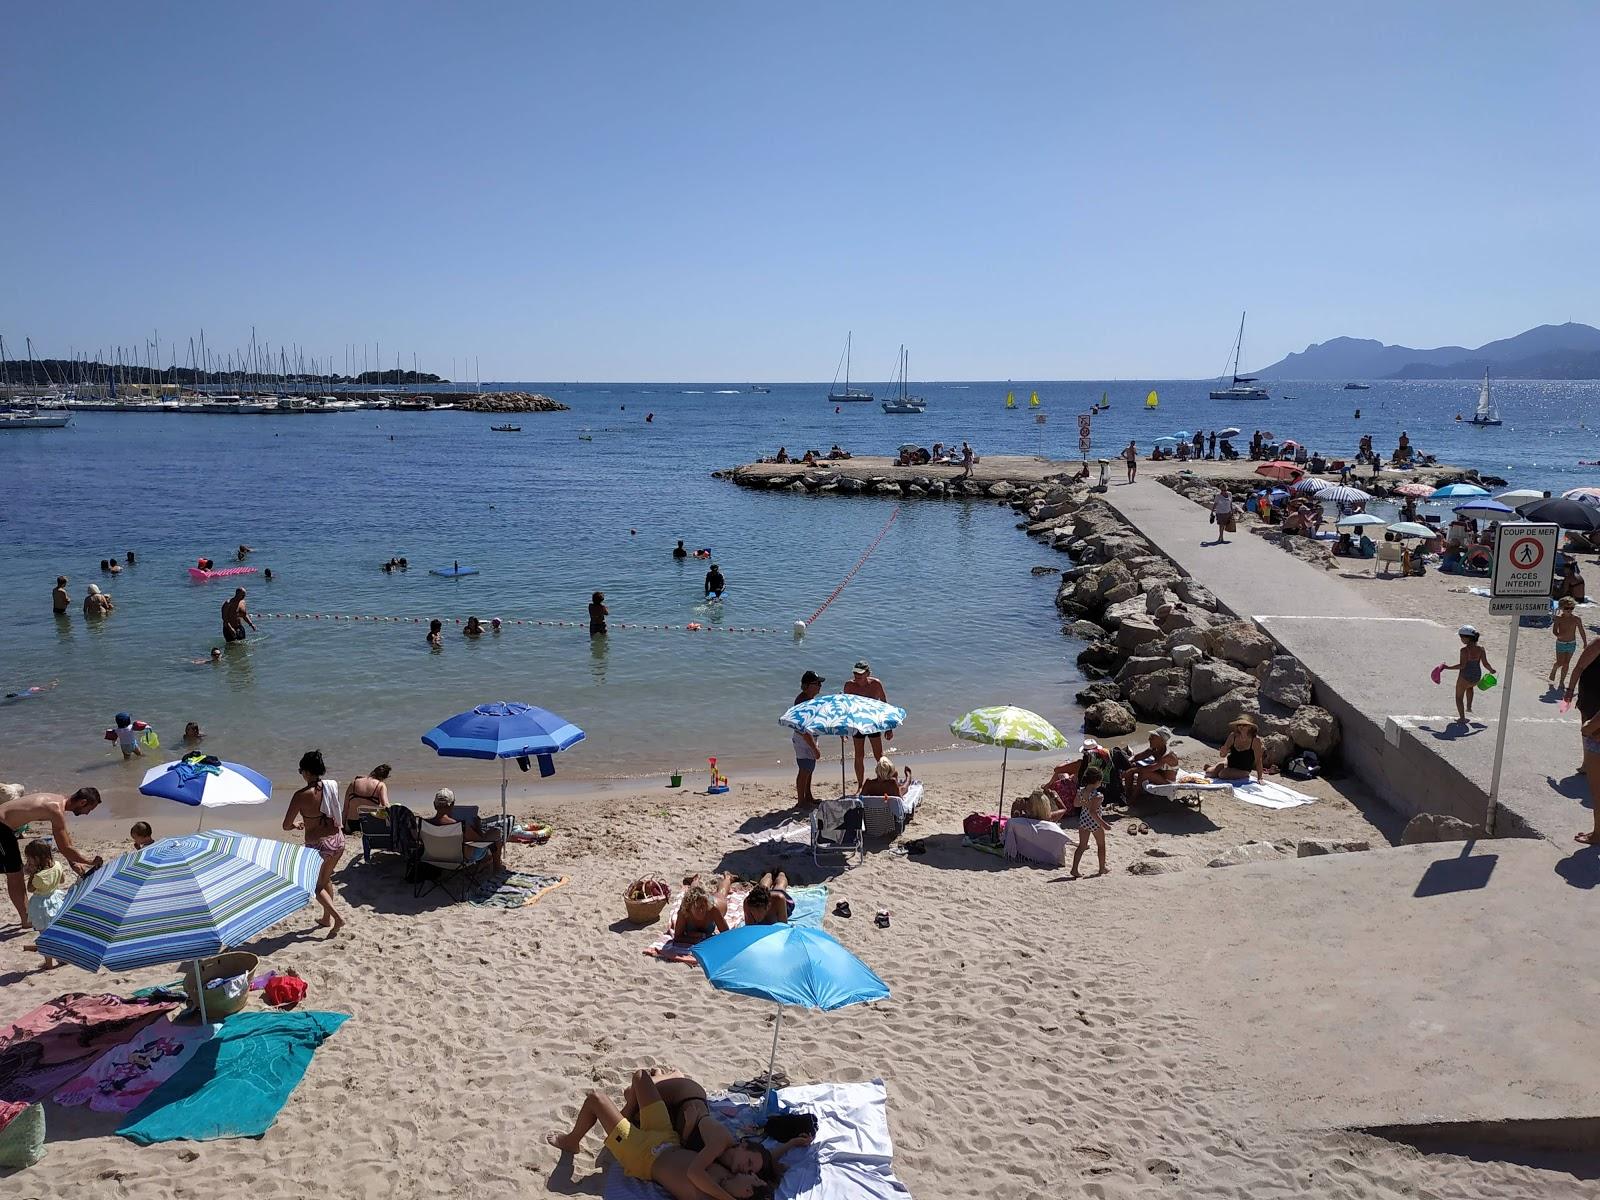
[(442, 855), (837, 827)]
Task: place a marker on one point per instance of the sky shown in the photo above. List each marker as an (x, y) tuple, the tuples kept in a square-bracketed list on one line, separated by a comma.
[(715, 190)]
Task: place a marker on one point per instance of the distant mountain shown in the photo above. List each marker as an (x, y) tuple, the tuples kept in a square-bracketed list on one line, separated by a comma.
[(1570, 351)]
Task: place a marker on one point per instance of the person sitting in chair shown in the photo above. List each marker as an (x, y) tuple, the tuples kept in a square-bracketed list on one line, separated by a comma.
[(884, 781), (444, 803), (1158, 764)]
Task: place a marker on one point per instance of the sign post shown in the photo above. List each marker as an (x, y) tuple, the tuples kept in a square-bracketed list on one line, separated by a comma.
[(1524, 567)]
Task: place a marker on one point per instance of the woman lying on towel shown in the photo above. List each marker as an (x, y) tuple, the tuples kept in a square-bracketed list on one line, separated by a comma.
[(648, 1148), (704, 911), (697, 1129)]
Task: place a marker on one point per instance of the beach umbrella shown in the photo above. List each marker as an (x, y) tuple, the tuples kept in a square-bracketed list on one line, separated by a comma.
[(1010, 728), (1339, 494), (1569, 514), (1280, 470), (203, 781), (1230, 431), (1360, 521), (1458, 491), (1309, 484), (1166, 440), (1416, 491), (504, 730), (1489, 510), (1583, 495), (791, 965), (842, 715), (1183, 435), (1522, 496), (180, 899), (1413, 529)]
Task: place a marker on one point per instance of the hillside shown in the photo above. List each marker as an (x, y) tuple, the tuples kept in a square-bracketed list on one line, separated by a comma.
[(1569, 351)]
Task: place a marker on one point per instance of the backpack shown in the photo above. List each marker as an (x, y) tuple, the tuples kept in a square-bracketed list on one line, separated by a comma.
[(1304, 765), (984, 825)]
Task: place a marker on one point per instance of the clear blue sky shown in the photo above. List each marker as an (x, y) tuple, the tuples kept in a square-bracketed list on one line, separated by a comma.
[(718, 190)]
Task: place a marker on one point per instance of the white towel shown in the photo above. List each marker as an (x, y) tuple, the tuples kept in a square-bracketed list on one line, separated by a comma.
[(331, 806), (1270, 794)]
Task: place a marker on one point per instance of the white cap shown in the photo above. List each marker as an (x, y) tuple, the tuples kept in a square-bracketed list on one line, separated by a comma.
[(1467, 631)]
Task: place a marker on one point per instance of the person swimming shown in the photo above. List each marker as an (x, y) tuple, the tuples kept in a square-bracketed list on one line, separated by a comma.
[(678, 551)]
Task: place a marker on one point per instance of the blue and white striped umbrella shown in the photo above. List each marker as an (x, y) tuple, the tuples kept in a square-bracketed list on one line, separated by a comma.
[(200, 785), (504, 729), (180, 898), (843, 715)]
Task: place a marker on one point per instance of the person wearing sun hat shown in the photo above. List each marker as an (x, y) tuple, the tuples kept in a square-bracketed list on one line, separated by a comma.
[(1158, 764), (862, 682), (1242, 753)]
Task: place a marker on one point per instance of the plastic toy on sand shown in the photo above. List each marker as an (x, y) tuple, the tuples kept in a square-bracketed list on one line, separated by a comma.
[(1487, 682), (719, 781), (1437, 672)]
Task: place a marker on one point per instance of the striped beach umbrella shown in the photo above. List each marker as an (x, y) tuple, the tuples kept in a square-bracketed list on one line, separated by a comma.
[(1010, 728), (203, 782), (843, 715), (1339, 494), (179, 899), (1310, 485)]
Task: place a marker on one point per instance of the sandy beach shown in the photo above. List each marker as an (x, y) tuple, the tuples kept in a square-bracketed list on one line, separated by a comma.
[(1029, 1046)]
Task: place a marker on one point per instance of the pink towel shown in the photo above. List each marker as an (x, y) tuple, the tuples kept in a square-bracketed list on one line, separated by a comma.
[(120, 1080)]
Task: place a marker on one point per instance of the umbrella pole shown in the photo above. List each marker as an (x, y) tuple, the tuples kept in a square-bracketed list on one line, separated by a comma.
[(504, 827), (1005, 753), (772, 1063), (842, 792)]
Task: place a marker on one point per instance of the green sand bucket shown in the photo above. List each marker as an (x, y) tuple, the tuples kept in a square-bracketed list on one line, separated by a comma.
[(1487, 682), (677, 779)]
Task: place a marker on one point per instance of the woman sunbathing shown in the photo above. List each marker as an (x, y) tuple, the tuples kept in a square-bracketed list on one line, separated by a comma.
[(769, 902), (649, 1150), (703, 911), (885, 781), (1242, 753), (1158, 764), (699, 1131)]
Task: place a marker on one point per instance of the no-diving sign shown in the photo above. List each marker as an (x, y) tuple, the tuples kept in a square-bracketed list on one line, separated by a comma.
[(1524, 560)]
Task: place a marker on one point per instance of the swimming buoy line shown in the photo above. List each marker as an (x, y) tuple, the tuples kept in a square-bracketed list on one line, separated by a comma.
[(690, 627), (860, 562)]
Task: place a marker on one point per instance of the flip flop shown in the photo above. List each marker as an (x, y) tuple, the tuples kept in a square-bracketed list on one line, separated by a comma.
[(842, 909), (1588, 839), (882, 919)]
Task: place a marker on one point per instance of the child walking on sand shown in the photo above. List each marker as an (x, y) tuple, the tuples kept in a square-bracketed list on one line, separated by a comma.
[(1568, 631), (47, 889), (1089, 820), (1474, 662)]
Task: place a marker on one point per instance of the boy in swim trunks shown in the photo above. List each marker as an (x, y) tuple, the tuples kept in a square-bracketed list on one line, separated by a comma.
[(649, 1150), (1568, 629)]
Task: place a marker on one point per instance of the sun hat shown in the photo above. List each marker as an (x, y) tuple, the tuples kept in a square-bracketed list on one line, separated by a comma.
[(863, 667), (1467, 631), (1089, 744), (1242, 719), (1162, 732)]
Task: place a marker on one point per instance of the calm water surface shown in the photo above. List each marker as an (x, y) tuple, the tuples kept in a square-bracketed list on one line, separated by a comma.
[(946, 610)]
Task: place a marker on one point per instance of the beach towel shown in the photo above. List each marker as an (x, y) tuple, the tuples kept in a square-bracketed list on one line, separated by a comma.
[(121, 1078), (789, 831), (236, 1082), (1043, 842), (1271, 794), (48, 1046), (809, 905), (512, 889), (852, 1157)]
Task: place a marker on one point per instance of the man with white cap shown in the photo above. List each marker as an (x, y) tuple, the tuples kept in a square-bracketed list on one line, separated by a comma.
[(1158, 764), (863, 683)]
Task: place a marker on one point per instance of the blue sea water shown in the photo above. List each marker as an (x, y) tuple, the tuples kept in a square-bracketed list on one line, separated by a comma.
[(946, 610)]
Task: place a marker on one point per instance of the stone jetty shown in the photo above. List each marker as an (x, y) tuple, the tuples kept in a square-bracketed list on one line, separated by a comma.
[(507, 402)]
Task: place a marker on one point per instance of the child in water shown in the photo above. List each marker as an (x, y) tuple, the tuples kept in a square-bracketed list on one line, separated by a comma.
[(1568, 630), (1474, 662), (47, 889), (127, 737), (192, 734)]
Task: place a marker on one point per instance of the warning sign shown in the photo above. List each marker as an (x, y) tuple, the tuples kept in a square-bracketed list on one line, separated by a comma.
[(1524, 560)]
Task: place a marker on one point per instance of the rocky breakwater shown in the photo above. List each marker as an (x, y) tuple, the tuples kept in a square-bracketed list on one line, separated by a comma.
[(1160, 646), (508, 402)]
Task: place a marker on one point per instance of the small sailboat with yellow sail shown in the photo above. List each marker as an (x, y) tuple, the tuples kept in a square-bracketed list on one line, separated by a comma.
[(1011, 401), (1033, 400), (1152, 401)]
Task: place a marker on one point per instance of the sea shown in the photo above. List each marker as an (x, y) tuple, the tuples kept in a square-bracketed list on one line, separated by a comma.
[(945, 608)]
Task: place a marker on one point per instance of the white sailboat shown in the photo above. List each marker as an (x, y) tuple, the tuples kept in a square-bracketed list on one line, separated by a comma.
[(1487, 413), (847, 396), (1243, 386), (904, 403)]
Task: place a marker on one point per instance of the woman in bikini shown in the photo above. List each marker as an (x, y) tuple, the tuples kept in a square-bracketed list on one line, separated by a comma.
[(365, 791), (703, 911), (316, 809), (647, 1148), (769, 902), (697, 1129), (1242, 754)]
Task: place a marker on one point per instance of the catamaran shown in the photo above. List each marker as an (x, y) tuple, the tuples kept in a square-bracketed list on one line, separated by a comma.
[(1242, 387), (847, 396), (904, 403), (1488, 413)]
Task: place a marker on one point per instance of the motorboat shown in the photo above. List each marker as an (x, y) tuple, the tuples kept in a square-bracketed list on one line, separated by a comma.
[(1358, 387), (34, 420), (505, 429)]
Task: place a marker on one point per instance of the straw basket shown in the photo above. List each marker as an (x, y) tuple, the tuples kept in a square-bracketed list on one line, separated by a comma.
[(221, 966), (643, 912)]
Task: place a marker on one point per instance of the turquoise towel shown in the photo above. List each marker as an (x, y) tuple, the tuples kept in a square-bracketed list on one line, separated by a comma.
[(236, 1083), (809, 903)]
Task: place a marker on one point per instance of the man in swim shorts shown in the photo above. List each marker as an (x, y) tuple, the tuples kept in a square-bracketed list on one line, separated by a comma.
[(59, 600), (235, 616), (863, 683), (41, 806)]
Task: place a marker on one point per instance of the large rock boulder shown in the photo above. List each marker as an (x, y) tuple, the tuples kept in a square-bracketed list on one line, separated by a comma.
[(1142, 665), (1196, 594), (1163, 694), (1084, 631), (1000, 489), (1118, 592), (1109, 719), (1100, 689), (1186, 655), (1313, 728), (1135, 631), (1276, 749), (1436, 827), (1103, 656), (1181, 616), (1284, 681), (1164, 865), (1209, 680), (1315, 847), (1116, 614), (1214, 718), (1241, 643), (1088, 591), (1252, 852)]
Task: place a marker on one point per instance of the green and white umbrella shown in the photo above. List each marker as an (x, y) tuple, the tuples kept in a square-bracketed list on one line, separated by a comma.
[(1010, 728)]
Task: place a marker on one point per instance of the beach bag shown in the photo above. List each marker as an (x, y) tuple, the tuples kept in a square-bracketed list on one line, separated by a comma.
[(1304, 765), (984, 825)]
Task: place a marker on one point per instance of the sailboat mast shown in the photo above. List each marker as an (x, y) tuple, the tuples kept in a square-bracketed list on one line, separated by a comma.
[(848, 338), (1238, 345)]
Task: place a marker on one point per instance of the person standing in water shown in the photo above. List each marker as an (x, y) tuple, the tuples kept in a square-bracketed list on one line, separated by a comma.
[(678, 551), (715, 583), (598, 612), (235, 616), (60, 601)]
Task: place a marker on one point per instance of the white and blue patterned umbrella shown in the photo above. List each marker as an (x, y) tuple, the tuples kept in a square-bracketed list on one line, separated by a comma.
[(180, 898), (843, 715), (200, 783)]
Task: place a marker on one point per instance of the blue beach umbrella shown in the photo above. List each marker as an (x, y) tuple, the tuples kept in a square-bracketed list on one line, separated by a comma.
[(1166, 441), (1183, 435), (503, 730), (1490, 510), (1458, 491), (201, 784), (179, 899), (843, 715), (789, 965)]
